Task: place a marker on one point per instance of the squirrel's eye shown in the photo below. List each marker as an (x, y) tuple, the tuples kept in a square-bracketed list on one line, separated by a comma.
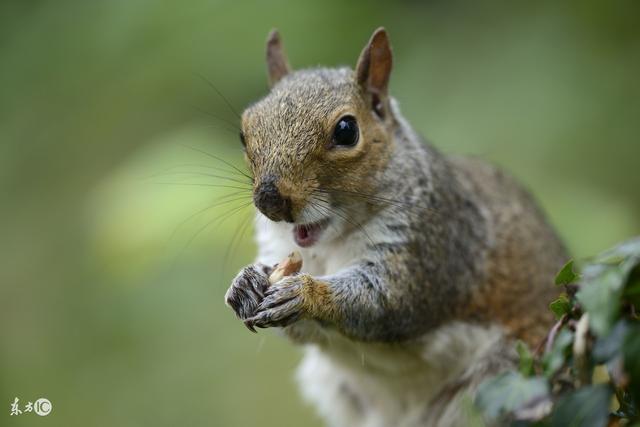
[(244, 143), (346, 132)]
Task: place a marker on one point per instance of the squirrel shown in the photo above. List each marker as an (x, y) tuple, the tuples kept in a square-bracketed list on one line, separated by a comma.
[(420, 269)]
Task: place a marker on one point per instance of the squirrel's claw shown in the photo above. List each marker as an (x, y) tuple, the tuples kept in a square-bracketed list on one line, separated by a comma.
[(249, 324), (272, 318), (282, 305), (247, 291)]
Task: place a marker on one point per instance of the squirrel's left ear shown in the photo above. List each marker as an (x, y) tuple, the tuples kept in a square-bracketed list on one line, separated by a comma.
[(277, 64), (374, 68)]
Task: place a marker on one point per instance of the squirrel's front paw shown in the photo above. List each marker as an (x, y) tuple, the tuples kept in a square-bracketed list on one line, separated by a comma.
[(283, 303), (248, 289)]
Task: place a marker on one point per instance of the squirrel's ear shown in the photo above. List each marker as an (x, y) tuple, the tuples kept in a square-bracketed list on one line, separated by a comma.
[(374, 67), (277, 64)]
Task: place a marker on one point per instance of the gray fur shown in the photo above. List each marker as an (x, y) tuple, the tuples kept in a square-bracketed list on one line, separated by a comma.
[(427, 251)]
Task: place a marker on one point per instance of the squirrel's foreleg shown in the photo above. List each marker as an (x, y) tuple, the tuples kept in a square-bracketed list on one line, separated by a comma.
[(292, 298), (357, 301)]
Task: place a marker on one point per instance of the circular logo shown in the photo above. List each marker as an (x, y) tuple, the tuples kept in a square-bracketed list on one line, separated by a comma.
[(42, 407)]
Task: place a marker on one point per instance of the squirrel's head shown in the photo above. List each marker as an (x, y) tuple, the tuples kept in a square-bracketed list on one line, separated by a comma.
[(319, 141)]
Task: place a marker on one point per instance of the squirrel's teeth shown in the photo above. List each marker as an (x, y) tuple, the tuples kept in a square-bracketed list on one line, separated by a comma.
[(306, 235)]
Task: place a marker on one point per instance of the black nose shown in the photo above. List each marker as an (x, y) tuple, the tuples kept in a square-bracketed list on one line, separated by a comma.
[(271, 203)]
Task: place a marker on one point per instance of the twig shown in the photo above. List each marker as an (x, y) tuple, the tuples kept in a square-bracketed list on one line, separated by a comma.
[(551, 336), (580, 350)]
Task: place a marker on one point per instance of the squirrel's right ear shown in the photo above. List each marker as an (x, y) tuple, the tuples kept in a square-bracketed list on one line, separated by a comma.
[(277, 64), (374, 68)]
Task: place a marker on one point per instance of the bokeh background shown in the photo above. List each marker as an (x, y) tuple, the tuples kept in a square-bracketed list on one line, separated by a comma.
[(112, 270)]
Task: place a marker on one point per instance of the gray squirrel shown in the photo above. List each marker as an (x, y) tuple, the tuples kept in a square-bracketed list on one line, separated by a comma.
[(420, 269)]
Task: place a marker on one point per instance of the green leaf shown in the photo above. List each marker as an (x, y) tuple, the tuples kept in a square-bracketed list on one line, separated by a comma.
[(554, 359), (631, 355), (566, 276), (526, 359), (508, 392), (632, 290), (560, 306), (620, 252), (600, 296), (603, 282), (586, 407), (609, 347)]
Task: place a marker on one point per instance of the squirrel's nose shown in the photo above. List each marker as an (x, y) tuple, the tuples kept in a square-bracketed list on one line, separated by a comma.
[(270, 201)]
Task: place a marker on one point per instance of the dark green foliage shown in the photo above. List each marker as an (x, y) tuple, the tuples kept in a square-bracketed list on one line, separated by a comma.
[(563, 385), (586, 407), (631, 354), (608, 347), (508, 392)]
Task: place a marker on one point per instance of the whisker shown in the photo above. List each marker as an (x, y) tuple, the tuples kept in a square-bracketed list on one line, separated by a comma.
[(234, 128), (217, 158), (219, 221), (221, 201), (322, 213), (235, 242), (226, 101), (344, 215), (201, 184), (216, 126), (197, 165), (315, 207), (208, 175), (379, 199)]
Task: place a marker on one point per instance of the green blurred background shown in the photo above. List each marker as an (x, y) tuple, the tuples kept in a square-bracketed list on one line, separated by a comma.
[(111, 304)]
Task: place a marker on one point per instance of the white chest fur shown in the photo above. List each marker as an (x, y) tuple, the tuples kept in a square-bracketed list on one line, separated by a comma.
[(358, 384), (426, 383)]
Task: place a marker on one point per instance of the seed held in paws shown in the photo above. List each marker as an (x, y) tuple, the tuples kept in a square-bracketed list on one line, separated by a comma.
[(289, 266)]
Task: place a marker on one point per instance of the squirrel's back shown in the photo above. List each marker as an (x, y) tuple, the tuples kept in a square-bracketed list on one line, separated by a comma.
[(524, 252)]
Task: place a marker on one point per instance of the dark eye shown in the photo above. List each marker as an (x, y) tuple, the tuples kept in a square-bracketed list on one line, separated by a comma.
[(244, 143), (346, 132)]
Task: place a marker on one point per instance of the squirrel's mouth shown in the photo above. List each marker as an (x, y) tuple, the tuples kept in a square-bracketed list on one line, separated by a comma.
[(306, 235)]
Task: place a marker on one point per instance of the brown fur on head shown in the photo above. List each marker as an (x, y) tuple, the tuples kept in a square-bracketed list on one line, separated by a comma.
[(288, 135)]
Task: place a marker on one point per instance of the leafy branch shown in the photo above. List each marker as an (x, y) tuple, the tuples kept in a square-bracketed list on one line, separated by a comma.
[(587, 370)]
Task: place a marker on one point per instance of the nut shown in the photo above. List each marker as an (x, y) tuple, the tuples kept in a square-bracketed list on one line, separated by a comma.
[(289, 266)]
